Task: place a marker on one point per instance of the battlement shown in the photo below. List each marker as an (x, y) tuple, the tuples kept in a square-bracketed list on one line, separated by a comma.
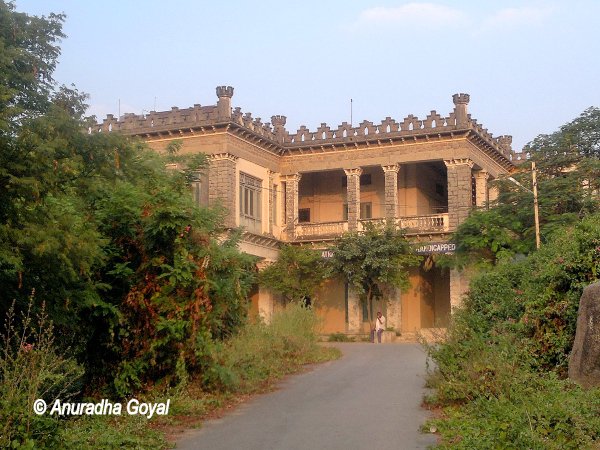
[(181, 120), (461, 99), (224, 91)]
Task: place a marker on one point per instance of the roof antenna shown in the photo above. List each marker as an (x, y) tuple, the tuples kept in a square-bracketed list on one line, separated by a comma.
[(350, 112)]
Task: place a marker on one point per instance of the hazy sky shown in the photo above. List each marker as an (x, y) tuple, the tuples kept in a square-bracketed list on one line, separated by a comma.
[(530, 66)]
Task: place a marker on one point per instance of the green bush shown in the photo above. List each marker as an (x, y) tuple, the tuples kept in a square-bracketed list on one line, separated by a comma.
[(31, 369), (340, 337), (498, 374), (261, 352)]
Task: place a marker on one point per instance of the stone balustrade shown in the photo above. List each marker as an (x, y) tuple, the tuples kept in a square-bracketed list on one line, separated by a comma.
[(321, 230), (433, 223)]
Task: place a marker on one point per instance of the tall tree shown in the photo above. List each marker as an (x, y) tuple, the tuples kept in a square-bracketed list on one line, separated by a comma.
[(107, 238), (377, 257), (568, 169)]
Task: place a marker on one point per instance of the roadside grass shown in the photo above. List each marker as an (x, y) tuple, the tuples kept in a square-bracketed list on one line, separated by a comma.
[(487, 393), (250, 362)]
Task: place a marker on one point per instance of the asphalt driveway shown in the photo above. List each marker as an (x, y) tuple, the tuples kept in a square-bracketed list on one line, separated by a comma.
[(368, 399)]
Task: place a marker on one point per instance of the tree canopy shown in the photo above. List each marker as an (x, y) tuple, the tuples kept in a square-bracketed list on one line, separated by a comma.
[(377, 257), (297, 273), (102, 234), (568, 169)]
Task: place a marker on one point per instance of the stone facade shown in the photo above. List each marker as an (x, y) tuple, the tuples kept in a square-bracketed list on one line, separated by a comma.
[(221, 183), (307, 187), (391, 190), (460, 192), (353, 197)]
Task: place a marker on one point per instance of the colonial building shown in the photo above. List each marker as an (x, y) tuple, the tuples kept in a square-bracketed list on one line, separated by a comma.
[(308, 187)]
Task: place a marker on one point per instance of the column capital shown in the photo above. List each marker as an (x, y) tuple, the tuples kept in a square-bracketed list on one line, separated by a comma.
[(222, 156), (353, 172), (391, 167), (483, 174), (291, 177), (459, 162)]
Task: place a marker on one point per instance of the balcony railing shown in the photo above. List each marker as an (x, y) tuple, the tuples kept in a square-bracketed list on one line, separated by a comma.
[(416, 224), (321, 230), (420, 224), (413, 225)]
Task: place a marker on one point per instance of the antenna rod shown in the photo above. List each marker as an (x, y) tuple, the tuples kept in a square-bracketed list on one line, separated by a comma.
[(350, 112)]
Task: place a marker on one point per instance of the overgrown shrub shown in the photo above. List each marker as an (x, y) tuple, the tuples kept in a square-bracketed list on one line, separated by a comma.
[(31, 368), (260, 352), (498, 374), (340, 337)]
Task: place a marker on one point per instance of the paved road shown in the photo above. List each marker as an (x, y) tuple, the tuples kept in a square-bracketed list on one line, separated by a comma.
[(369, 399)]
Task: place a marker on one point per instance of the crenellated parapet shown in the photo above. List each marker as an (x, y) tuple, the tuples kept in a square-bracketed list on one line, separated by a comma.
[(274, 134)]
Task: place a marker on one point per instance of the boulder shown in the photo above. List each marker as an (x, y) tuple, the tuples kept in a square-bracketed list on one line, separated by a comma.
[(584, 361)]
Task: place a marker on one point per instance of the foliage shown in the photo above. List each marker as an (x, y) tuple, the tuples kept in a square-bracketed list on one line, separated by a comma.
[(110, 241), (499, 372), (340, 337), (110, 432), (29, 53), (568, 173), (30, 369), (370, 260), (297, 273), (510, 406), (260, 353)]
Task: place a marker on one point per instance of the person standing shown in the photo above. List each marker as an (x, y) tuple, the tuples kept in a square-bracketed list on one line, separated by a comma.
[(379, 327)]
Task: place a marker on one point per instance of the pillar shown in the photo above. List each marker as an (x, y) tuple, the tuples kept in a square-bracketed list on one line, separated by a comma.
[(265, 304), (459, 190), (292, 183), (271, 201), (353, 197), (221, 184), (459, 285), (354, 310), (481, 189), (394, 309), (493, 193), (391, 190)]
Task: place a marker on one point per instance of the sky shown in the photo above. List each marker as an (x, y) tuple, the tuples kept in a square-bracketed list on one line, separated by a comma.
[(529, 66)]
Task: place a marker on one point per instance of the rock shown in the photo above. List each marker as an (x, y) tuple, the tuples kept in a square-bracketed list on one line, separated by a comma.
[(584, 362)]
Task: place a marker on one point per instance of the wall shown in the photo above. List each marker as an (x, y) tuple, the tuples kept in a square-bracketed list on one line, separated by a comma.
[(330, 306)]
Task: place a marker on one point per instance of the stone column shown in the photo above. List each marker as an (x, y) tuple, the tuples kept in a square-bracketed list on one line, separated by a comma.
[(291, 202), (459, 190), (481, 188), (271, 196), (459, 285), (391, 190), (493, 193), (265, 304), (353, 197), (394, 309), (354, 309), (221, 184)]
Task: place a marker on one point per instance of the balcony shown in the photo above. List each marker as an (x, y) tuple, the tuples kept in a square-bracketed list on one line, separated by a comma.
[(321, 230), (434, 223)]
